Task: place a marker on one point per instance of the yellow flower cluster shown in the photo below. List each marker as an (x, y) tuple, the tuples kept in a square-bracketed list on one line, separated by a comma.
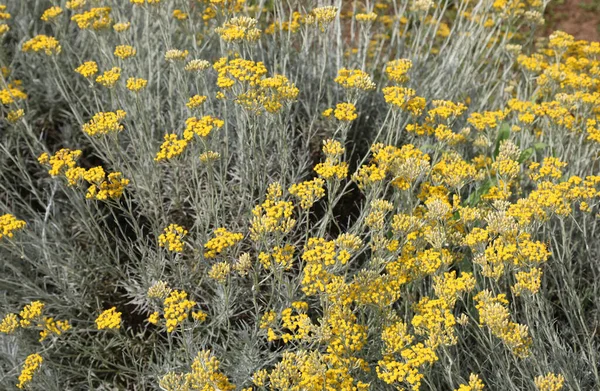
[(196, 101), (272, 93), (238, 69), (201, 126), (343, 111), (219, 271), (104, 187), (239, 29), (9, 324), (30, 313), (354, 79), (252, 90), (109, 78), (414, 358), (9, 224), (551, 168), (125, 51), (324, 15), (527, 281), (494, 314), (49, 45), (209, 156), (405, 165), (51, 14), (197, 65), (159, 290), (87, 69), (274, 215), (31, 366), (12, 93), (308, 192), (204, 375), (322, 256), (176, 55), (109, 319), (51, 326), (172, 238), (104, 123), (121, 27), (63, 161), (136, 84), (366, 17), (180, 15), (4, 16), (475, 384), (550, 382), (171, 147), (75, 4), (405, 99), (397, 70), (97, 18), (333, 167), (279, 257), (176, 309), (292, 25), (223, 240)]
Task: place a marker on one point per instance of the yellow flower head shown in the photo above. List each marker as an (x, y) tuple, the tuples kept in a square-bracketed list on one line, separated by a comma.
[(125, 51), (136, 84), (109, 78), (32, 364), (51, 14), (172, 238), (223, 239), (238, 29), (49, 45), (105, 123), (9, 224), (171, 147), (87, 69), (109, 319)]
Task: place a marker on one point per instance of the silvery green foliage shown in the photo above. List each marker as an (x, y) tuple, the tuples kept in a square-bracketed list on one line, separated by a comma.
[(80, 256)]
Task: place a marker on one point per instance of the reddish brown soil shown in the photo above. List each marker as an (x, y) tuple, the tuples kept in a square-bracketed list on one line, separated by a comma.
[(570, 17)]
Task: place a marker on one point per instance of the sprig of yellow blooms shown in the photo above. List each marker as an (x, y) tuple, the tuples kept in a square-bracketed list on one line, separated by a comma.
[(333, 167), (87, 69), (223, 240), (273, 216), (239, 29), (105, 123), (308, 192), (172, 238), (42, 43), (9, 224), (97, 18), (344, 111), (109, 78), (204, 375), (125, 51), (136, 84), (30, 367), (494, 314), (171, 147), (475, 384), (354, 79), (176, 309), (51, 13), (109, 319), (550, 382)]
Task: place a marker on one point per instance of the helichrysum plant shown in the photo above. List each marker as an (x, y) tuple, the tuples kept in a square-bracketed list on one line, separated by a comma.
[(297, 195)]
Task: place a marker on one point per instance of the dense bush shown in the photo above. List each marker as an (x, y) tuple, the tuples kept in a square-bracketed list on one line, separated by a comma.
[(297, 195)]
